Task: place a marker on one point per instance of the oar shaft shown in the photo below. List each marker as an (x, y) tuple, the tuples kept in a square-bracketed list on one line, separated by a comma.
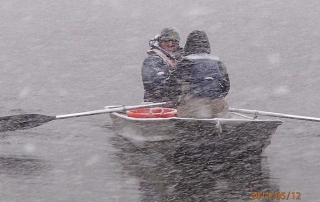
[(280, 115), (117, 109), (65, 116)]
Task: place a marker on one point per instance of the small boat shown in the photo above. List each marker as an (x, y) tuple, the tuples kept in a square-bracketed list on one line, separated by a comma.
[(231, 137)]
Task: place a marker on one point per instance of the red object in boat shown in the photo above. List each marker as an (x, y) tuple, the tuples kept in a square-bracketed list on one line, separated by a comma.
[(152, 113)]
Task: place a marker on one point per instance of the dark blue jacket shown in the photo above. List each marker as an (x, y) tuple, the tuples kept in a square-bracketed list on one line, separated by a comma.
[(154, 72), (206, 75), (205, 78)]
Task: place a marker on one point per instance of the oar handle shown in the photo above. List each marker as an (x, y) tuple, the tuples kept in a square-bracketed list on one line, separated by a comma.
[(280, 115), (117, 109)]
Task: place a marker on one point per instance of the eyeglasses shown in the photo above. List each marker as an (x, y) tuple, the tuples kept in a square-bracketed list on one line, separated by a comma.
[(170, 40)]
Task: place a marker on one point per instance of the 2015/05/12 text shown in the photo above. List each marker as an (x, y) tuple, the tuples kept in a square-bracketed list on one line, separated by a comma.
[(276, 195)]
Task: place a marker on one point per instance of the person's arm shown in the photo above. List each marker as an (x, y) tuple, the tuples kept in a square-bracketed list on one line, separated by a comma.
[(153, 77), (178, 76), (172, 86), (225, 77)]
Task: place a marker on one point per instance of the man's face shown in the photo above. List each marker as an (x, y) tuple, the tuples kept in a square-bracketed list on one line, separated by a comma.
[(170, 45)]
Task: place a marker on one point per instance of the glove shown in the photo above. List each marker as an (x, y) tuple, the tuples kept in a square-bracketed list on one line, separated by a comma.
[(170, 104)]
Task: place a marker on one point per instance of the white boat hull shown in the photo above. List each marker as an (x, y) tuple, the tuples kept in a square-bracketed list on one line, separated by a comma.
[(165, 135)]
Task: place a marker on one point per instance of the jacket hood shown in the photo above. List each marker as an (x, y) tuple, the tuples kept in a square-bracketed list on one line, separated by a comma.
[(197, 42)]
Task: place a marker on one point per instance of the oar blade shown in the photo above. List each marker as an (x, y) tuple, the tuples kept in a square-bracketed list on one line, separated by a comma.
[(23, 121)]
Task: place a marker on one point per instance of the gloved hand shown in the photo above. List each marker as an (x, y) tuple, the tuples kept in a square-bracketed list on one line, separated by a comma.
[(170, 104)]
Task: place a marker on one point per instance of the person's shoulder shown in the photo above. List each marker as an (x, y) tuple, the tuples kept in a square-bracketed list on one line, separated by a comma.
[(153, 59), (202, 56), (184, 62)]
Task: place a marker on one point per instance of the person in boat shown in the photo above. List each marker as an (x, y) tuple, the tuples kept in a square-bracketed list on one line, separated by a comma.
[(200, 81), (162, 56)]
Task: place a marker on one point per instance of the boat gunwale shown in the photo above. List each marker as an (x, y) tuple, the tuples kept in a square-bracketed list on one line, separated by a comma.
[(221, 120)]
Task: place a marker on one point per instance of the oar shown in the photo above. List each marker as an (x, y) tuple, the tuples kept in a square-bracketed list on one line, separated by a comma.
[(280, 115), (25, 121)]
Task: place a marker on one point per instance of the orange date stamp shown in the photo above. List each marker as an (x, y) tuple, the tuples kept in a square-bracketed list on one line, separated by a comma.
[(276, 195)]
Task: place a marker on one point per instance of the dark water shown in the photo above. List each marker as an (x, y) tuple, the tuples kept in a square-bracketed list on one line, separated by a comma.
[(69, 56)]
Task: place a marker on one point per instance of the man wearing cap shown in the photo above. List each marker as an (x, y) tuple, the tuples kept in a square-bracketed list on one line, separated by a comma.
[(162, 56)]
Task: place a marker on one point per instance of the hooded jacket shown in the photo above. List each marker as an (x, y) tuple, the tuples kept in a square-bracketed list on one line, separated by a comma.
[(206, 74)]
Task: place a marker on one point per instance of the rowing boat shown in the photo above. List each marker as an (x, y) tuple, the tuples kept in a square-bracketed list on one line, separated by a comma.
[(232, 136)]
